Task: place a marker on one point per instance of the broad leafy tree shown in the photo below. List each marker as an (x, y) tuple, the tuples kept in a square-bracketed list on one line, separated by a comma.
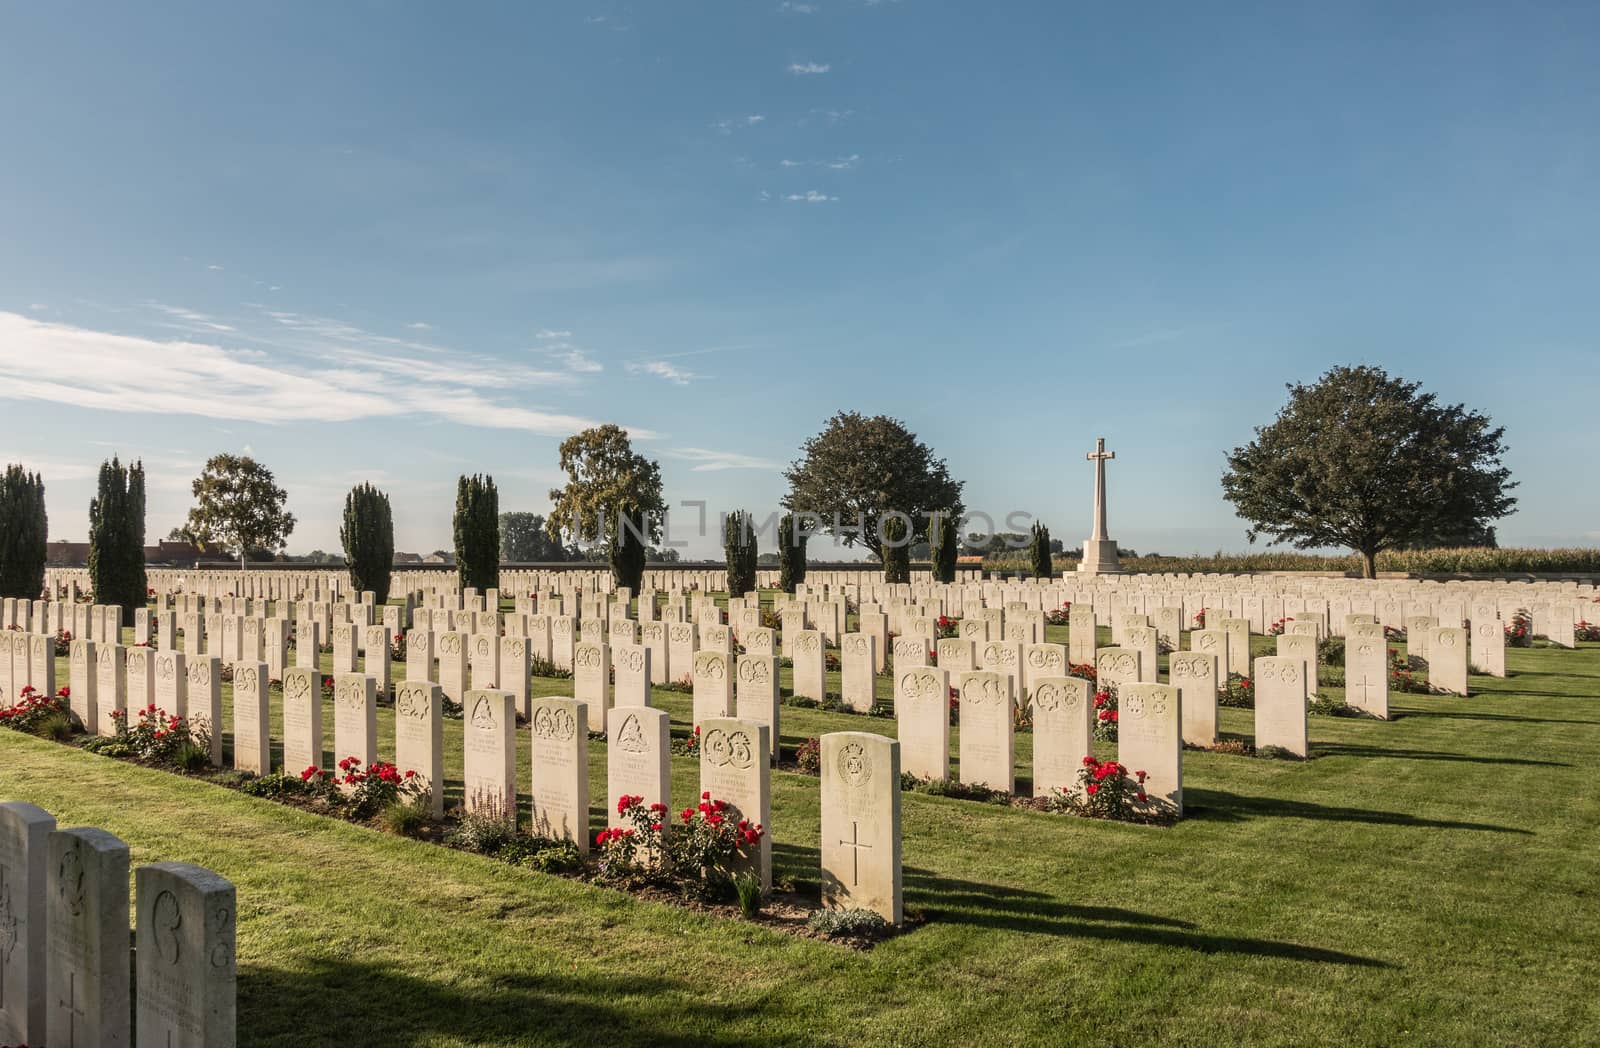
[(24, 532), (523, 540), (613, 495), (1369, 462), (368, 536), (116, 537), (239, 509), (860, 468), (477, 532)]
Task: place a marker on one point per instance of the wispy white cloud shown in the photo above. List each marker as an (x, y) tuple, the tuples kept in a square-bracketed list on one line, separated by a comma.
[(844, 163), (333, 381), (828, 116), (215, 268), (809, 68), (663, 370), (792, 7), (547, 333), (38, 307), (811, 196), (788, 163), (420, 325), (578, 361), (732, 124), (191, 320), (709, 461)]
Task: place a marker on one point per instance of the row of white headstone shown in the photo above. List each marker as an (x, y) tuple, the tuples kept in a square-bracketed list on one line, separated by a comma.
[(64, 942)]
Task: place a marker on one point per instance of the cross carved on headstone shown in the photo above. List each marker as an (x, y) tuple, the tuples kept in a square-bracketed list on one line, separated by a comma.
[(855, 846), (74, 1010)]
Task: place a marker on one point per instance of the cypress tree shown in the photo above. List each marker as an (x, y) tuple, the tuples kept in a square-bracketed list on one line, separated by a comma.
[(628, 551), (791, 554), (739, 544), (896, 551), (942, 547), (24, 529), (1039, 552), (368, 537), (116, 537), (477, 532)]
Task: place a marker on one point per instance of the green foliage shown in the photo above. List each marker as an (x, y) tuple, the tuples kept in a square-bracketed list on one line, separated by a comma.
[(792, 539), (747, 886), (484, 831), (858, 469), (477, 532), (523, 540), (116, 538), (408, 817), (613, 495), (852, 923), (23, 533), (739, 545), (943, 546), (896, 552), (368, 537), (238, 508), (1366, 461), (1039, 552)]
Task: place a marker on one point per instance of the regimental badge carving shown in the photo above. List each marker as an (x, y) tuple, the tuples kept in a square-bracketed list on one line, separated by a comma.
[(754, 671), (200, 672), (9, 936), (587, 656), (710, 665), (353, 694), (245, 679), (106, 656), (1445, 640), (630, 737), (450, 644), (808, 643), (297, 686), (854, 765), (983, 691), (222, 952), (69, 880), (483, 647), (166, 917), (553, 722), (919, 684), (412, 702), (858, 645), (633, 661), (725, 748), (164, 668)]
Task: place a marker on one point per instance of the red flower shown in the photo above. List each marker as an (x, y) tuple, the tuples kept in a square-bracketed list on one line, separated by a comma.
[(1091, 789)]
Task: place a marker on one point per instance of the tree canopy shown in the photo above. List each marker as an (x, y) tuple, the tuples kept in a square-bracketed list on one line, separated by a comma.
[(239, 508), (858, 469), (523, 540), (367, 533), (23, 533), (608, 483), (116, 537), (476, 527), (1369, 462)]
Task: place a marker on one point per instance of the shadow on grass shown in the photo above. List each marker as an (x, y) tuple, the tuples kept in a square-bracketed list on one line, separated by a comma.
[(1401, 713), (949, 900), (1220, 806), (352, 1001), (1345, 749)]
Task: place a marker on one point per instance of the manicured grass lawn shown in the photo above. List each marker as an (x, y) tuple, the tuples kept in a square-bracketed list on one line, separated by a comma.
[(1425, 881)]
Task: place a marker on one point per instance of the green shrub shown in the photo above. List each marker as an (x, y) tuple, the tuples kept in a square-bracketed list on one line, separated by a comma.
[(953, 788), (748, 887), (847, 924), (406, 818), (484, 831)]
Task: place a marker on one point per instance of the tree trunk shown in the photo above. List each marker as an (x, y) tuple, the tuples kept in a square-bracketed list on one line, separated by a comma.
[(1369, 563)]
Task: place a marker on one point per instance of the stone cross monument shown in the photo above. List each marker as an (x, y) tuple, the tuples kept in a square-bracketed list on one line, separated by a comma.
[(1100, 552)]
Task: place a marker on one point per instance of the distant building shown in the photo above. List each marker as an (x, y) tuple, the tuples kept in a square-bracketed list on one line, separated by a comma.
[(408, 558), (64, 554), (172, 554)]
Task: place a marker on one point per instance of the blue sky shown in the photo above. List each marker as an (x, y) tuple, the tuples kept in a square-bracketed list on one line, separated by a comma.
[(396, 242)]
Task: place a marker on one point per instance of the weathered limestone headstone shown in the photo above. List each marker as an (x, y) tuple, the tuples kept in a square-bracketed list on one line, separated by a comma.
[(172, 683), (559, 730), (922, 713), (514, 671), (302, 720), (375, 660), (355, 718), (713, 685), (1143, 639), (110, 686), (1194, 674), (344, 648), (483, 660), (252, 734), (419, 655), (451, 649), (681, 638), (987, 730), (563, 636), (1238, 631), (591, 679), (86, 959), (24, 861), (957, 655), (861, 824), (806, 651), (9, 689), (858, 656), (1042, 660), (630, 675), (1305, 649), (653, 635), (204, 696), (1081, 642), (1366, 668), (1150, 739), (734, 769), (1215, 642), (307, 644), (637, 759), (1116, 666), (1447, 660), (756, 694), (419, 736), (140, 680), (187, 981), (1281, 704), (1063, 731), (1488, 648), (82, 680), (42, 664), (489, 753)]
